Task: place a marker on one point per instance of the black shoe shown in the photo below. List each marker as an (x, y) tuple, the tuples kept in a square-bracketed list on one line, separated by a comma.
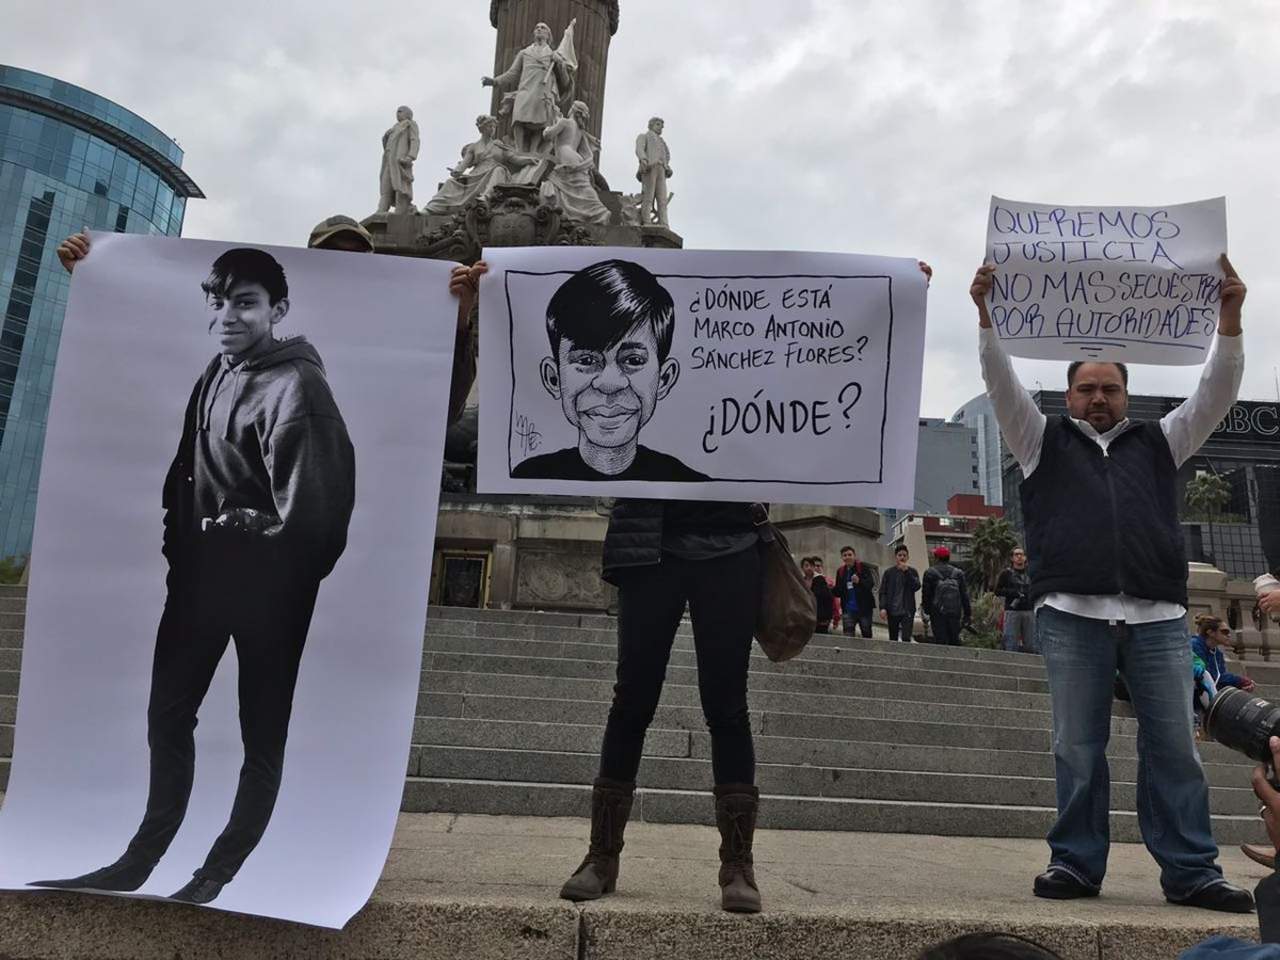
[(1055, 884), (124, 876), (1219, 896), (199, 890)]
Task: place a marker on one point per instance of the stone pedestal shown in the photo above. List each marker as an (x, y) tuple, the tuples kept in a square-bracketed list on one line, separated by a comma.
[(514, 215)]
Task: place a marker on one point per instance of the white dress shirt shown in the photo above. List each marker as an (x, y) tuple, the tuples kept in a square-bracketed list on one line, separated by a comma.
[(1186, 428)]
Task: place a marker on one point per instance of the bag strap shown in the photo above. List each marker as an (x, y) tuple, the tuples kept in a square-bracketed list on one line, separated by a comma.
[(760, 517)]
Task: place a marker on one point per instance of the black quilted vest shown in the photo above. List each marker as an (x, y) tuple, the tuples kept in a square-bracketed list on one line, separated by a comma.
[(1105, 523)]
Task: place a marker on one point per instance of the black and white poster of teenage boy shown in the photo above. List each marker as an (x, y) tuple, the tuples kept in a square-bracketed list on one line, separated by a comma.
[(693, 374), (232, 540)]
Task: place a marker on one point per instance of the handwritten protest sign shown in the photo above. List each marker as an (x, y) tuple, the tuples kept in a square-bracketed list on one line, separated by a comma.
[(1130, 284), (700, 375)]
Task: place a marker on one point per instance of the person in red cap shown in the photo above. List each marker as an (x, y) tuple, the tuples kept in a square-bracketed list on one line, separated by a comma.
[(946, 599)]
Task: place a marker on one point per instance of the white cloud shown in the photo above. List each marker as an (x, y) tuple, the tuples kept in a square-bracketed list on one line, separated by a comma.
[(876, 128)]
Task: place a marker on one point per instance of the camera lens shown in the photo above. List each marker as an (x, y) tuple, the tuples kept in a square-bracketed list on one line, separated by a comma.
[(1243, 723)]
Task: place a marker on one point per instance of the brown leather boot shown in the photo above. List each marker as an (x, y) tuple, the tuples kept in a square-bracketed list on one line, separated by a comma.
[(1259, 854), (598, 873), (736, 807)]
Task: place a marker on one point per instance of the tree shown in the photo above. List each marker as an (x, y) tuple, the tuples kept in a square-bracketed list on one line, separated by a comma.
[(1207, 494), (993, 543)]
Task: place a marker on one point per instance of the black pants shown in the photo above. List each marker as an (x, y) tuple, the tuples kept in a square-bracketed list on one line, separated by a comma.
[(857, 621), (900, 626), (722, 595), (946, 630), (222, 592)]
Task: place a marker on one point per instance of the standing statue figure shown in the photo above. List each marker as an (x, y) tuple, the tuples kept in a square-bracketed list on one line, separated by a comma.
[(655, 168), (543, 79), (399, 150), (570, 181), (484, 165)]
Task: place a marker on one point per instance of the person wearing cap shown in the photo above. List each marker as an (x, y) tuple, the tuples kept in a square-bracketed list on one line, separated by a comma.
[(344, 233), (1109, 585), (945, 599)]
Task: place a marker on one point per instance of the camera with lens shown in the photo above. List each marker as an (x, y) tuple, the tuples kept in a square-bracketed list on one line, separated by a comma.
[(1245, 723)]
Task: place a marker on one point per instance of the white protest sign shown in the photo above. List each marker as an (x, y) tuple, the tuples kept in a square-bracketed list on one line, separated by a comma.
[(785, 377), (295, 645), (1127, 284)]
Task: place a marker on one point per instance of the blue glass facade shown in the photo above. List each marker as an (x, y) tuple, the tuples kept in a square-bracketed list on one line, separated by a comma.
[(68, 159)]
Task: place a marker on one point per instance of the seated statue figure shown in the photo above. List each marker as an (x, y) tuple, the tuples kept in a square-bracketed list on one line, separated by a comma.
[(570, 180), (484, 165)]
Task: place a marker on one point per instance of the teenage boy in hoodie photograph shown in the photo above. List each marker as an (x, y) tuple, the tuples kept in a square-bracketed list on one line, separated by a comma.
[(257, 503)]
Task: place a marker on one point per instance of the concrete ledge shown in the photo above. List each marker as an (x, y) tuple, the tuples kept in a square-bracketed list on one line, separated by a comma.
[(52, 926), (481, 887)]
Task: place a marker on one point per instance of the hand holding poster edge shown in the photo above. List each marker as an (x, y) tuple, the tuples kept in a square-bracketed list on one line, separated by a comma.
[(1122, 283)]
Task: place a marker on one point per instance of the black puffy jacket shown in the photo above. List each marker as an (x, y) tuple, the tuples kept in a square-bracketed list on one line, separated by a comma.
[(637, 527)]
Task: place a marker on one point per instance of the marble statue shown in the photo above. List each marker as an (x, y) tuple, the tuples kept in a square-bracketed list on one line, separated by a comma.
[(655, 168), (485, 164), (543, 79), (570, 181), (399, 150)]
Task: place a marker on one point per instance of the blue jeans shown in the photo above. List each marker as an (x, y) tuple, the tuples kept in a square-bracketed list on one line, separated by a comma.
[(1019, 631), (1081, 656)]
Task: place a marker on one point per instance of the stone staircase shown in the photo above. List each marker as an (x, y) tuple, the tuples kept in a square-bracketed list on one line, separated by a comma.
[(855, 735)]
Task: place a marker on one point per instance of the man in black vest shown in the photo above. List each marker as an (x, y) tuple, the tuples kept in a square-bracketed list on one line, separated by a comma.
[(1109, 582)]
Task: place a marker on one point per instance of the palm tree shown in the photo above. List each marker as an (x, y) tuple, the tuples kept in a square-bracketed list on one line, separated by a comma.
[(993, 542), (1207, 494)]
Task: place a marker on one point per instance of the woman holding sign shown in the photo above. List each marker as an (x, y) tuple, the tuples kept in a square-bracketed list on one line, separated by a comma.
[(664, 556)]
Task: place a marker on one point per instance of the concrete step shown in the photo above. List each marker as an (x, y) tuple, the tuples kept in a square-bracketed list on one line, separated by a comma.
[(8, 683), (11, 639), (586, 738), (862, 674), (540, 766), (4, 773), (805, 726), (823, 648), (12, 604), (859, 700), (533, 658), (788, 812), (8, 708), (896, 656), (10, 659), (484, 888)]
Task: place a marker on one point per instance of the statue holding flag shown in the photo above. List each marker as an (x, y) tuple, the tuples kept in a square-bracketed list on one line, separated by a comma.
[(544, 82)]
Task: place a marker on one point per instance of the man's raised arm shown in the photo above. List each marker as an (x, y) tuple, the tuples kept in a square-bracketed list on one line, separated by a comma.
[(1187, 427), (1021, 421)]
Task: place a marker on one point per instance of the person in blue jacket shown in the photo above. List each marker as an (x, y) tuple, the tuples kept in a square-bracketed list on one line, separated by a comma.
[(1209, 664)]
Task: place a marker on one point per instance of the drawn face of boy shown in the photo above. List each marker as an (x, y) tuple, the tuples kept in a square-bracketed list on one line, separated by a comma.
[(243, 318), (609, 395)]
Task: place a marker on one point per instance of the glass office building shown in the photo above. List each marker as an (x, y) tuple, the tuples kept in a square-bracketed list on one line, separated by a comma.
[(68, 159)]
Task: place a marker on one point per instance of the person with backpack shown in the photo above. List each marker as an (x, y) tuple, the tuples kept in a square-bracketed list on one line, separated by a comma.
[(856, 589), (946, 599)]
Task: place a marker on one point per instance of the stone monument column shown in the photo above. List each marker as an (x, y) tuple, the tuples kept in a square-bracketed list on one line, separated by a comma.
[(597, 23)]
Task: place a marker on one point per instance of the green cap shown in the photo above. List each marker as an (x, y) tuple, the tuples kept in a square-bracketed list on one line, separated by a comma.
[(329, 228)]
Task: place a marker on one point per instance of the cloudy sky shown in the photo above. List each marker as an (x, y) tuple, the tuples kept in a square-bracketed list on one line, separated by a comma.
[(815, 124)]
